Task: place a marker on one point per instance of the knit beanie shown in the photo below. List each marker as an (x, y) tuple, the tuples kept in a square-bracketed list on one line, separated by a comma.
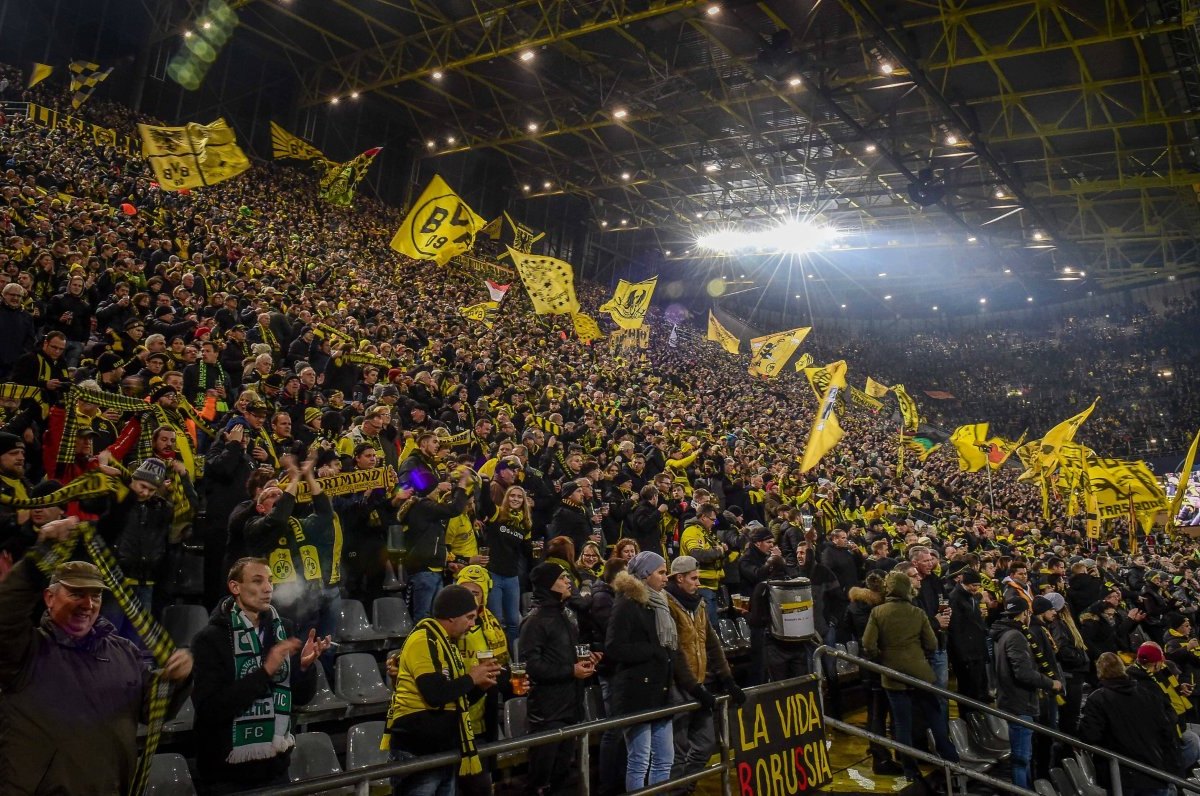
[(544, 575), (453, 602), (644, 564)]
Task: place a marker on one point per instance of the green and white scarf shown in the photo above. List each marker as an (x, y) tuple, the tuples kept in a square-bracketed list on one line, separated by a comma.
[(262, 731)]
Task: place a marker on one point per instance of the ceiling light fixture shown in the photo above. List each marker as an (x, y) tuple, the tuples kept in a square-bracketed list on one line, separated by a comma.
[(532, 127), (437, 74), (951, 139), (353, 95), (604, 223), (972, 239), (451, 139), (871, 147), (430, 144), (792, 236), (547, 185), (886, 68), (620, 113), (713, 10), (527, 188), (625, 175), (527, 55), (795, 81), (887, 298), (334, 100)]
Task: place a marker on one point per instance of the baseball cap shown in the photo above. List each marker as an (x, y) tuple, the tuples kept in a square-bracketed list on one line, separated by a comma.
[(684, 565)]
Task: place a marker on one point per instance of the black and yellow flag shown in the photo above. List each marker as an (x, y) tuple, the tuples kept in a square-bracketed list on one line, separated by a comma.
[(969, 441), (772, 351), (1184, 477), (803, 362), (340, 181), (440, 225), (586, 327), (494, 228), (484, 312), (286, 145), (630, 302), (908, 410), (1115, 485), (518, 237), (875, 389), (549, 282), (826, 429), (39, 73), (1047, 459), (722, 336), (85, 76), (194, 155)]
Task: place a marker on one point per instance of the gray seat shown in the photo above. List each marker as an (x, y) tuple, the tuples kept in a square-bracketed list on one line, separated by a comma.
[(395, 538), (1079, 779), (844, 667), (1044, 788), (362, 748), (184, 719), (313, 757), (981, 734), (352, 624), (727, 633), (390, 617), (323, 699), (516, 717), (1062, 782), (743, 630), (998, 726), (183, 622), (356, 679), (966, 749), (169, 776), (393, 577), (1089, 769), (852, 648)]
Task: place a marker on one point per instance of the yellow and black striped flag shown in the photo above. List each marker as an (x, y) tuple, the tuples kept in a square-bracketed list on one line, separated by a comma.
[(85, 76), (286, 145), (40, 72)]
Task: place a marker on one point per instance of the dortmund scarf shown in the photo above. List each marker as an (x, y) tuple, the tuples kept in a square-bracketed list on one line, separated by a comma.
[(1044, 658), (100, 398), (263, 729), (282, 563), (88, 485), (151, 632), (19, 392)]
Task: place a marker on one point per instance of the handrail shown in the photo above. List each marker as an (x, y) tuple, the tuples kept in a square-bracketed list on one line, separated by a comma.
[(385, 770), (1114, 757)]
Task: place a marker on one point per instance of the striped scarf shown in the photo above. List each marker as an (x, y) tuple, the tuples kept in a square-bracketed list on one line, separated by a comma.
[(1043, 658), (104, 400), (150, 631)]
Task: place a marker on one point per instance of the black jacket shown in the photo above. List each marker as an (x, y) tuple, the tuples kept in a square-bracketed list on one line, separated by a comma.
[(221, 696), (644, 668), (967, 637), (1083, 590), (137, 531), (425, 535), (1018, 681), (845, 564), (548, 637), (571, 522), (644, 525), (1122, 717)]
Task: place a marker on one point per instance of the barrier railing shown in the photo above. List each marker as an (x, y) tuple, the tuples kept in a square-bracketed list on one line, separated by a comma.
[(1116, 761)]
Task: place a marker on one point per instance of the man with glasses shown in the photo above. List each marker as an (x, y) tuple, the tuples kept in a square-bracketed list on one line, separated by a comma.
[(16, 328)]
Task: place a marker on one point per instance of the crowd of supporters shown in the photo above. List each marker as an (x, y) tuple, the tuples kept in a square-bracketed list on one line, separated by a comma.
[(566, 513)]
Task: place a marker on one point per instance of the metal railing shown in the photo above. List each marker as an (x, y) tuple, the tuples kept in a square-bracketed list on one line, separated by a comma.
[(360, 778), (1116, 761)]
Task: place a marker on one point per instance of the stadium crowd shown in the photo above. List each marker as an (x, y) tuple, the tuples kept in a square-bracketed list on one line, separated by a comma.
[(568, 514)]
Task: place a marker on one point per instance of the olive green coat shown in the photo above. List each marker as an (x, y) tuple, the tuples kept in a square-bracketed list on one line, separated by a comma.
[(899, 635)]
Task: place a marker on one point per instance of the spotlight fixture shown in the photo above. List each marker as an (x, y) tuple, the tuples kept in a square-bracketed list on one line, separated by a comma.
[(437, 74), (187, 34), (620, 113), (334, 100), (951, 140), (430, 144), (972, 239), (624, 222), (1029, 298), (667, 253), (887, 297), (792, 236), (1008, 270), (1038, 236), (603, 223), (711, 167), (625, 175), (526, 187), (1000, 193), (547, 185), (207, 25), (713, 10), (886, 68), (353, 95), (843, 306), (699, 214), (527, 55), (871, 147), (934, 308), (983, 301), (795, 81), (925, 189), (532, 127), (451, 139)]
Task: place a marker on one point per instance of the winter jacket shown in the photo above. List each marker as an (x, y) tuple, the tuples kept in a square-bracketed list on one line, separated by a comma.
[(69, 708), (1102, 636), (698, 641), (1119, 717), (16, 336), (862, 602), (898, 634), (644, 524), (845, 563), (137, 531), (425, 535), (967, 637), (1018, 680), (643, 668), (549, 634), (571, 521), (221, 696), (1083, 590), (1071, 658)]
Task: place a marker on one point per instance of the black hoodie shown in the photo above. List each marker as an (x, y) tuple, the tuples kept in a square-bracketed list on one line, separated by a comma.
[(1118, 716), (549, 634)]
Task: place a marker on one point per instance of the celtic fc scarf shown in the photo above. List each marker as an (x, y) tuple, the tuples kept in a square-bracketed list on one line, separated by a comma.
[(262, 731)]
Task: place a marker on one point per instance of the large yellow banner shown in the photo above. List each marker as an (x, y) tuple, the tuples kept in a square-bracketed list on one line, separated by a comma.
[(549, 282), (194, 155), (286, 145), (586, 327), (826, 429), (719, 334), (439, 226), (774, 350), (630, 302)]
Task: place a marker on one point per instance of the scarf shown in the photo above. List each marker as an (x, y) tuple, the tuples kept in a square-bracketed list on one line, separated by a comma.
[(104, 400), (262, 731), (444, 655), (283, 565), (1043, 658), (690, 602), (668, 635)]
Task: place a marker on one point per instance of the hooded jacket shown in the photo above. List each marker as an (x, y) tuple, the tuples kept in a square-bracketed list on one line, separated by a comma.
[(643, 669), (862, 602), (549, 634), (222, 696), (1018, 681), (1118, 716), (898, 634)]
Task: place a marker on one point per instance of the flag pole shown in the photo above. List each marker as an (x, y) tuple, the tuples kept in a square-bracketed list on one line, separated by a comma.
[(991, 495)]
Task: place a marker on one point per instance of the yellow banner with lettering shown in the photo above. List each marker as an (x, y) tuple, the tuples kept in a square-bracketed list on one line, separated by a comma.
[(484, 312), (722, 336), (347, 483), (194, 155), (774, 350), (286, 145), (101, 136)]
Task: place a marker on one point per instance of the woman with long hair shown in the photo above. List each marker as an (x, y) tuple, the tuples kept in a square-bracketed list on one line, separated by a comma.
[(507, 536), (590, 563)]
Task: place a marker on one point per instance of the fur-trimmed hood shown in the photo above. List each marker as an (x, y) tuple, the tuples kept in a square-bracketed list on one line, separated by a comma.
[(860, 595), (631, 587)]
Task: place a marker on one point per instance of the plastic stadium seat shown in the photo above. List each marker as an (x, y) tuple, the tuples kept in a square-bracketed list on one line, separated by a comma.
[(390, 617), (1089, 769), (981, 733), (593, 704), (516, 717), (844, 667), (998, 726), (313, 757), (188, 579), (169, 776), (395, 538), (967, 750), (852, 648), (743, 629), (183, 622), (1044, 788), (184, 719), (1062, 782), (356, 679), (1079, 779), (324, 698), (727, 632), (352, 624), (394, 578), (362, 748)]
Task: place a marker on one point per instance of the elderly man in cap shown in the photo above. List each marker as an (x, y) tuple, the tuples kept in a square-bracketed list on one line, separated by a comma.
[(71, 690), (695, 732)]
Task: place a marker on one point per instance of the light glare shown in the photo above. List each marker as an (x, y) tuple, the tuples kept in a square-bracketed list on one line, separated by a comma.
[(796, 236)]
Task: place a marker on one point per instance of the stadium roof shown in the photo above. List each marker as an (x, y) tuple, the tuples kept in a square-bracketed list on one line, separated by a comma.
[(1007, 134)]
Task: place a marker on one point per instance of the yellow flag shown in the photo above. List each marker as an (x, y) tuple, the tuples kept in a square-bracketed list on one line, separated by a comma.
[(630, 302), (40, 72), (1113, 483), (908, 409), (775, 350), (194, 155), (826, 430), (999, 449), (286, 145), (439, 226), (1184, 477), (719, 334), (805, 360), (549, 282), (484, 312), (1047, 459), (85, 76), (969, 442), (493, 228), (586, 327), (875, 389)]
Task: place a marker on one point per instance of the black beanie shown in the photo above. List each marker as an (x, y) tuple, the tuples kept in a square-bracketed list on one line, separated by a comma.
[(544, 575), (453, 602)]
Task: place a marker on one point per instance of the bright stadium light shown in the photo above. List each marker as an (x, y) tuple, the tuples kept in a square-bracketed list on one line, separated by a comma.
[(794, 236)]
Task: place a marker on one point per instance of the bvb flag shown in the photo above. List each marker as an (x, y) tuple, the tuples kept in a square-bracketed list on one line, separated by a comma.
[(875, 389), (1184, 477), (999, 449), (908, 409), (719, 334), (630, 302), (826, 430), (286, 145), (1047, 459), (1120, 487), (775, 350), (439, 226), (520, 237), (549, 282), (340, 181), (972, 450), (40, 72), (192, 156), (493, 228), (484, 312), (586, 327), (804, 362), (85, 76)]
